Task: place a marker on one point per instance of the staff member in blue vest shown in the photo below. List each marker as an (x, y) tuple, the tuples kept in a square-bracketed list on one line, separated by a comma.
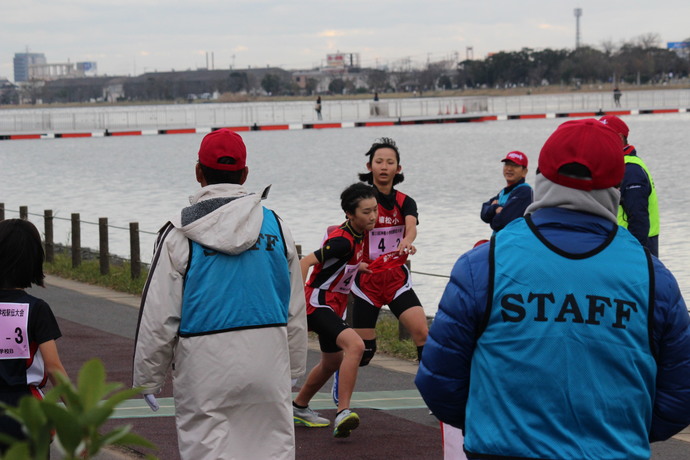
[(639, 207), (511, 202), (562, 338), (224, 307)]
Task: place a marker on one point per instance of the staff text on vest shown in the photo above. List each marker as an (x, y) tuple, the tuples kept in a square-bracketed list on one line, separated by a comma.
[(270, 242), (566, 308)]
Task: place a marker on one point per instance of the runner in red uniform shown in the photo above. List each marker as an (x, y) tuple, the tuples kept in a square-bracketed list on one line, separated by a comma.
[(335, 265), (395, 231)]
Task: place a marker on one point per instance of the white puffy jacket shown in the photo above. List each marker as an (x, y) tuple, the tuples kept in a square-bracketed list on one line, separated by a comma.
[(232, 389)]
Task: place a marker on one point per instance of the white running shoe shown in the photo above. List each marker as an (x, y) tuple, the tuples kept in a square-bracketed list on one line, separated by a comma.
[(345, 422), (308, 417)]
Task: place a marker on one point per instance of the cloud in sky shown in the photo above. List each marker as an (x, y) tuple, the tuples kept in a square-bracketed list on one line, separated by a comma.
[(132, 36), (335, 33), (549, 26)]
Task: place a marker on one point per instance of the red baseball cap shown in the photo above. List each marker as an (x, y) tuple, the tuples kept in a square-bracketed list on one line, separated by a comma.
[(516, 157), (589, 143), (615, 124), (223, 149)]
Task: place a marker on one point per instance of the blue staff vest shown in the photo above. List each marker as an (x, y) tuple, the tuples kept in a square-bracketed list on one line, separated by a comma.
[(224, 292), (503, 196), (563, 368)]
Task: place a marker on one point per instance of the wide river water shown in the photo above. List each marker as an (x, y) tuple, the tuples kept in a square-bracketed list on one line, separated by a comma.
[(450, 169)]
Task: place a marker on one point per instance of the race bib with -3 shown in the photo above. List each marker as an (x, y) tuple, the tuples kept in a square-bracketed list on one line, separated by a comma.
[(14, 341), (384, 239), (345, 283)]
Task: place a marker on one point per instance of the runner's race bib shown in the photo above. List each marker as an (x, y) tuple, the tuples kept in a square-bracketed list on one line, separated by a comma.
[(345, 283), (14, 341), (384, 240)]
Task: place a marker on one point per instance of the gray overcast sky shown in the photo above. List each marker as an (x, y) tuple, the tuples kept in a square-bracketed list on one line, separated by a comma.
[(129, 37)]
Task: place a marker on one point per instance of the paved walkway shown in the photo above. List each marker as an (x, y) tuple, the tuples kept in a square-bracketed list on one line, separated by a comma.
[(98, 322)]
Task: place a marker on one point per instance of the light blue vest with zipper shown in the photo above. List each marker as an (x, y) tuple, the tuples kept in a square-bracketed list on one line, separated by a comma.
[(225, 292), (564, 367)]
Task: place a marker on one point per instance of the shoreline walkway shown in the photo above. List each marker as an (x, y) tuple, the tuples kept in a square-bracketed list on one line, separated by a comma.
[(98, 322)]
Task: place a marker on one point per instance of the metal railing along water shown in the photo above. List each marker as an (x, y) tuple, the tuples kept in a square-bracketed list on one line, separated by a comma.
[(227, 114), (172, 116)]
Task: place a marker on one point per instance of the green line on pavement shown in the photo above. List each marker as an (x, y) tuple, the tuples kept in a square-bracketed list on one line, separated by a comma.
[(381, 400)]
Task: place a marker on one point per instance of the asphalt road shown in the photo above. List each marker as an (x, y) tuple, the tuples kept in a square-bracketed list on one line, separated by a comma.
[(395, 423)]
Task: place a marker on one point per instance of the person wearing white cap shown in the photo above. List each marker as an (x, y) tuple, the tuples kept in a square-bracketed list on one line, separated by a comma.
[(562, 338), (510, 203)]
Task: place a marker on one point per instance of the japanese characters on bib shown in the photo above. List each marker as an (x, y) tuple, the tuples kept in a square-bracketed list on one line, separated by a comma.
[(383, 240), (14, 320)]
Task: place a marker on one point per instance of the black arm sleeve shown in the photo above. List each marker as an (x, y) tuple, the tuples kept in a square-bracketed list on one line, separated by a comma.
[(334, 248)]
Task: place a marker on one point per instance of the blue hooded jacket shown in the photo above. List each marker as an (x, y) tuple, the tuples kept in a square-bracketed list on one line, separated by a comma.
[(443, 378)]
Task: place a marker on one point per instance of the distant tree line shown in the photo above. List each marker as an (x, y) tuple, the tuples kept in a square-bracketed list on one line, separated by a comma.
[(640, 61)]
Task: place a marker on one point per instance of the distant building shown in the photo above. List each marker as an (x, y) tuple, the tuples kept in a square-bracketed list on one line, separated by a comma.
[(339, 66), (23, 62), (114, 89), (87, 69), (682, 49), (311, 81), (35, 67), (47, 72), (85, 89), (8, 92), (342, 61), (191, 84)]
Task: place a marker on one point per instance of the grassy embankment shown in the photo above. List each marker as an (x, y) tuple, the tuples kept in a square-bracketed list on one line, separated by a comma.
[(120, 279)]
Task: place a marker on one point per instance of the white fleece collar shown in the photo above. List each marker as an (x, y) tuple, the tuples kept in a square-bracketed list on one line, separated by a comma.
[(548, 194)]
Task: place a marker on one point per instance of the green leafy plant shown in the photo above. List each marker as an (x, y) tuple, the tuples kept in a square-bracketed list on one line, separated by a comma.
[(75, 422)]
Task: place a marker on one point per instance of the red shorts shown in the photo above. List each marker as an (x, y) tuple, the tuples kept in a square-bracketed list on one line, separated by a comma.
[(318, 298), (381, 288)]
